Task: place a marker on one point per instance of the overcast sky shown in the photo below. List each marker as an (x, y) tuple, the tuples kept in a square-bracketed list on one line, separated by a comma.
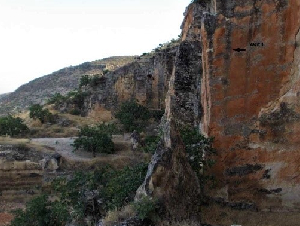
[(38, 37)]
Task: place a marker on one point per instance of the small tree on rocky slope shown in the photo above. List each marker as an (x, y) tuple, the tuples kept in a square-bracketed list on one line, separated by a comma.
[(37, 112)]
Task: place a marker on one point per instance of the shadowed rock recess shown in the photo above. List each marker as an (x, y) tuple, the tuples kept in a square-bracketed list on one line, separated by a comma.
[(248, 100)]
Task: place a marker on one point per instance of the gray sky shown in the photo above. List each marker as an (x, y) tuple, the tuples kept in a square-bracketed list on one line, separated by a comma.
[(38, 37)]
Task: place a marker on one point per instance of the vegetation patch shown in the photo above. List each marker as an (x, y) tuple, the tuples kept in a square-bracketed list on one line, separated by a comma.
[(95, 139), (133, 116), (199, 152), (84, 194), (36, 111), (146, 208), (12, 126)]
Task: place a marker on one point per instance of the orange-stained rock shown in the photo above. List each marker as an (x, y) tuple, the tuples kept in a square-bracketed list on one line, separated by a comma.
[(250, 99)]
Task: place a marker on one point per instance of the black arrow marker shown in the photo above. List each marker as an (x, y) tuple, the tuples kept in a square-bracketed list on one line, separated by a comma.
[(239, 50)]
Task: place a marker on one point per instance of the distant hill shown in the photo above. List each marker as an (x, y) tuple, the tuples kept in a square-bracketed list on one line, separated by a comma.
[(3, 95), (62, 81)]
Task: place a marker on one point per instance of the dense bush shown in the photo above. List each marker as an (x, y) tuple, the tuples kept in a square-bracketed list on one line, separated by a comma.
[(118, 188), (12, 126), (56, 99), (40, 211), (84, 81), (150, 144), (91, 81), (157, 114), (146, 208), (75, 111), (77, 97), (95, 80), (132, 115), (37, 112), (95, 139), (121, 186), (105, 71)]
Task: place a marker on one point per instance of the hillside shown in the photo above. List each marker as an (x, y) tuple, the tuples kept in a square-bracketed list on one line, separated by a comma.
[(61, 81), (3, 95)]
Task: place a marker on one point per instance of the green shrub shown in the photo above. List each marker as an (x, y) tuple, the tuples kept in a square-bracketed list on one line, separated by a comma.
[(37, 112), (146, 208), (132, 115), (12, 126), (116, 188), (56, 99), (157, 114), (105, 71), (95, 139), (40, 211), (77, 97), (95, 80), (121, 185), (71, 191), (84, 81), (151, 144), (199, 149), (75, 111)]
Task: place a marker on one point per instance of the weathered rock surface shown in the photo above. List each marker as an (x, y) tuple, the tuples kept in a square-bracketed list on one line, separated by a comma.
[(250, 98), (145, 80), (170, 178)]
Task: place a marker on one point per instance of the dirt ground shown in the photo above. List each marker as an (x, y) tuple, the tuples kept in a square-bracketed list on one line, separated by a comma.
[(5, 211), (5, 218)]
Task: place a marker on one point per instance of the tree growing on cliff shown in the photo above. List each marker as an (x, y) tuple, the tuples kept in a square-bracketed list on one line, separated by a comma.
[(95, 139), (84, 81), (12, 126), (57, 98), (199, 151), (132, 115)]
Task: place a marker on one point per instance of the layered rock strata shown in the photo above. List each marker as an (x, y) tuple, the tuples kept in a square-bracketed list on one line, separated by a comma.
[(22, 172)]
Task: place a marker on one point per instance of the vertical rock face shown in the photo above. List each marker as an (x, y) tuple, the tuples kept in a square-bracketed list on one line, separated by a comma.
[(170, 178), (236, 76), (250, 98), (145, 80)]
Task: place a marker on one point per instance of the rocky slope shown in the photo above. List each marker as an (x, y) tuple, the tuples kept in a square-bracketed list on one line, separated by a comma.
[(62, 81), (3, 95)]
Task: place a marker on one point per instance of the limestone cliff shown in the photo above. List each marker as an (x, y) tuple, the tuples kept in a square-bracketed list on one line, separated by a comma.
[(145, 80), (236, 77), (250, 98)]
